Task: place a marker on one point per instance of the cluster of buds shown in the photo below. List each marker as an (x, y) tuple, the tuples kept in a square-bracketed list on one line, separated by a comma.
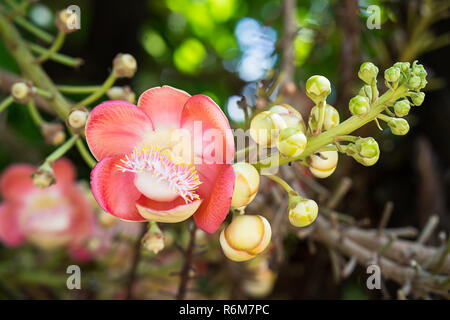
[(245, 237), (124, 65), (22, 92), (77, 118), (121, 93)]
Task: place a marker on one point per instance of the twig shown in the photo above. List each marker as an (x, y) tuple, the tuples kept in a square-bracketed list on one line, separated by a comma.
[(135, 263), (389, 206), (340, 192), (184, 274), (428, 229)]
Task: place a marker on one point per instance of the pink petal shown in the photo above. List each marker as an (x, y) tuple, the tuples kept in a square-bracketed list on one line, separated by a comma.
[(16, 182), (168, 212), (116, 127), (216, 191), (163, 105), (215, 140), (64, 171), (10, 232), (114, 190)]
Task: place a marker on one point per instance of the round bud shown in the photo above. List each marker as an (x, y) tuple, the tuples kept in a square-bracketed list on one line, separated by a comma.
[(367, 151), (121, 93), (414, 82), (43, 178), (265, 127), (21, 92), (303, 212), (67, 21), (245, 237), (359, 105), (125, 65), (392, 74), (368, 72), (399, 126), (246, 184), (401, 108), (77, 118), (290, 115), (417, 98), (153, 241), (322, 164), (53, 133), (331, 118), (318, 88), (291, 142)]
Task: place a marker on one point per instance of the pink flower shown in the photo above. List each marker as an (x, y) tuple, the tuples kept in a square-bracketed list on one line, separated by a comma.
[(143, 174), (52, 217)]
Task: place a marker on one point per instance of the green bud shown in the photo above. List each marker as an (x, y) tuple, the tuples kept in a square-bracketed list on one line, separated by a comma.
[(419, 70), (366, 91), (368, 72), (359, 105), (414, 82), (399, 126), (291, 142), (367, 151), (404, 66), (401, 108), (392, 74), (417, 98), (331, 118), (318, 88)]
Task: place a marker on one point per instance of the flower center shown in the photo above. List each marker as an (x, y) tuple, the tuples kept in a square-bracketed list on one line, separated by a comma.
[(160, 176)]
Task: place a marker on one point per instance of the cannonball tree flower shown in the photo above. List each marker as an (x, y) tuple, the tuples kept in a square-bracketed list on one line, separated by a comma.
[(56, 216), (145, 172)]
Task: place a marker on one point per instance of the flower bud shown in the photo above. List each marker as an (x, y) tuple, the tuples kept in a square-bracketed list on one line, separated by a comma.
[(417, 98), (125, 65), (262, 279), (67, 21), (121, 93), (359, 105), (331, 118), (245, 237), (366, 152), (246, 184), (392, 74), (419, 70), (265, 127), (291, 142), (404, 66), (53, 133), (290, 115), (302, 212), (401, 108), (399, 126), (153, 240), (322, 164), (77, 118), (414, 82), (366, 91), (43, 177), (318, 88), (368, 72), (22, 92)]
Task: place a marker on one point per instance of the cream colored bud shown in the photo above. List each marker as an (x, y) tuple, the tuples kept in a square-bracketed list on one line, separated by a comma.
[(125, 65), (291, 142), (153, 241), (246, 184), (121, 93), (323, 164), (265, 127), (21, 92), (43, 178), (245, 237), (53, 133), (303, 212), (290, 115), (77, 118), (330, 120)]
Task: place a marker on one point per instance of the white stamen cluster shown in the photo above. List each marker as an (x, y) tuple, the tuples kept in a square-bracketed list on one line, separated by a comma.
[(181, 176)]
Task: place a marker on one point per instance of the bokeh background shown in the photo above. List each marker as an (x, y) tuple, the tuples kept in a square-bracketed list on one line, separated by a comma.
[(224, 49)]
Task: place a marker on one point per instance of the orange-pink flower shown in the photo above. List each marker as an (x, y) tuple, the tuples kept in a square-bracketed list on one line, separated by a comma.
[(52, 217), (143, 174)]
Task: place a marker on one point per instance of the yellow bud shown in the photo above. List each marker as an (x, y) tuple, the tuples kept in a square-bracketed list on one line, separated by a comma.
[(21, 92), (323, 164), (245, 237), (265, 127), (290, 115), (303, 212), (125, 65), (318, 88), (246, 184), (291, 142)]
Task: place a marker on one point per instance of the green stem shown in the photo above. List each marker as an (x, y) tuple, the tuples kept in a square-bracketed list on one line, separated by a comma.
[(57, 57), (100, 92), (6, 103), (281, 182), (34, 113), (345, 128), (57, 44), (384, 117), (77, 89), (58, 153), (90, 161), (43, 93), (321, 119), (20, 9)]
